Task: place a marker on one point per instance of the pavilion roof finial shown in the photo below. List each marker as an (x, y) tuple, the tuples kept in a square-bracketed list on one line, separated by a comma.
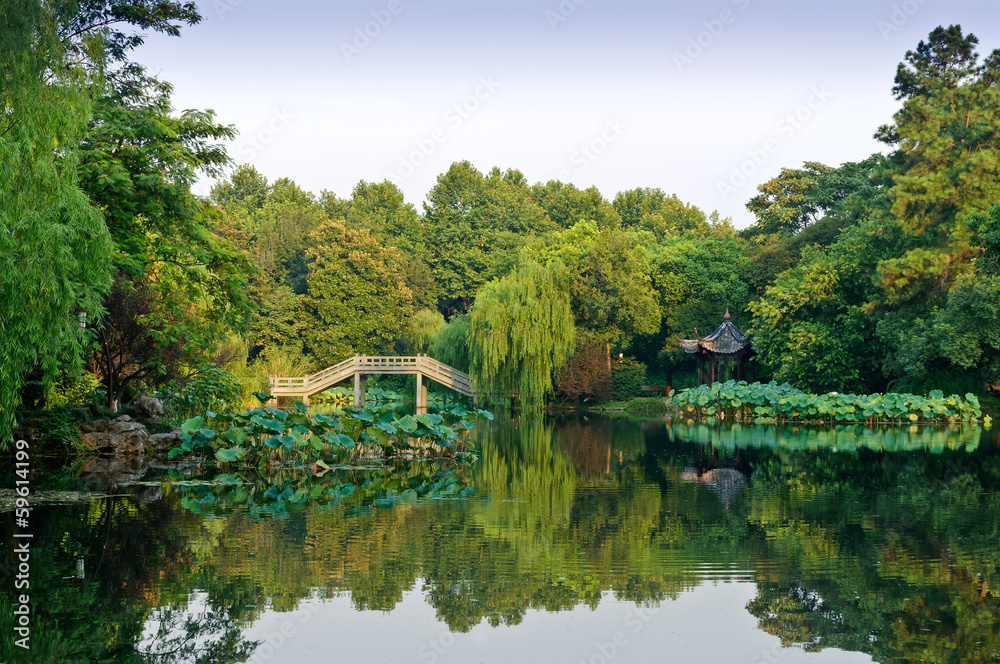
[(727, 317)]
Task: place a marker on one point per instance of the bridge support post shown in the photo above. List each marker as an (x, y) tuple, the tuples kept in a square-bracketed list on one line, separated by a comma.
[(360, 381), (305, 400), (421, 395)]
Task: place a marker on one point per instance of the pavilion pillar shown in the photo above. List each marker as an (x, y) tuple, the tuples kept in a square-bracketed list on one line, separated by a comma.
[(360, 384)]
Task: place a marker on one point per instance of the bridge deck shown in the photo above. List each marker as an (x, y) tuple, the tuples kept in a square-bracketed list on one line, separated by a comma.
[(362, 365)]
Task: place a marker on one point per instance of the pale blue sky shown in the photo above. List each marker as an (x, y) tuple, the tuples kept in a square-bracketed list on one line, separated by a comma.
[(613, 94)]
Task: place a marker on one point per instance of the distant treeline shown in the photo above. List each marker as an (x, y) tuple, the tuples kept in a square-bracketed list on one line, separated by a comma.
[(877, 274)]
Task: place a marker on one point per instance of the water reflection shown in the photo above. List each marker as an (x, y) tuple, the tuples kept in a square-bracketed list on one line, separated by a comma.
[(880, 542)]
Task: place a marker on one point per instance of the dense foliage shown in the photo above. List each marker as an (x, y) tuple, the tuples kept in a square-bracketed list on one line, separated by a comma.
[(880, 274), (627, 376)]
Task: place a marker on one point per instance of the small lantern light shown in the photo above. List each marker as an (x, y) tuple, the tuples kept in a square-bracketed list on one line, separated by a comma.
[(83, 320)]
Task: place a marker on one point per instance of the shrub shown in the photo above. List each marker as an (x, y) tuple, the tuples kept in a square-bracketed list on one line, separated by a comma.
[(627, 378), (586, 376), (74, 390), (210, 389)]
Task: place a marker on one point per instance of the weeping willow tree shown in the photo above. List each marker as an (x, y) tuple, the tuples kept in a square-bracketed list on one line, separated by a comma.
[(55, 250), (520, 331), (451, 343)]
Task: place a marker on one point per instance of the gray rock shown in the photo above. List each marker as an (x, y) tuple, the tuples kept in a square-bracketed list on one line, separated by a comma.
[(164, 442), (150, 407), (120, 436)]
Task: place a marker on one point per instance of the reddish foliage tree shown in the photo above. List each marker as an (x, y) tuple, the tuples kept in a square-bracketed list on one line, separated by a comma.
[(586, 377)]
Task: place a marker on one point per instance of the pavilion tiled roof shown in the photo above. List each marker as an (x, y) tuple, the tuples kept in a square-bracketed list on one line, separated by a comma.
[(726, 340)]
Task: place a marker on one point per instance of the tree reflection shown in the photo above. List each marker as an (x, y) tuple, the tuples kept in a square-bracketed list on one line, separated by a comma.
[(892, 553)]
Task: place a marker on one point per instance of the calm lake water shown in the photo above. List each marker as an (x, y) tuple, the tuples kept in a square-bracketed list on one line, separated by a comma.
[(595, 541)]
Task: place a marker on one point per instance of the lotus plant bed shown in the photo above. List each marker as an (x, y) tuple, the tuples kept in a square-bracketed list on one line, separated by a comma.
[(771, 402), (268, 436)]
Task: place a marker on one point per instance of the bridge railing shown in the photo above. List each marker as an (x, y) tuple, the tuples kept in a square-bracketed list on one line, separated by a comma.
[(388, 364), (322, 376), (428, 366)]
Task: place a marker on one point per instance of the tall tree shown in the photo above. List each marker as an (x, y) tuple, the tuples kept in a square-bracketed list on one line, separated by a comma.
[(520, 331), (565, 204), (813, 329), (652, 210), (946, 136), (357, 298), (381, 209), (54, 249), (945, 166), (475, 225), (608, 277), (138, 162), (798, 198)]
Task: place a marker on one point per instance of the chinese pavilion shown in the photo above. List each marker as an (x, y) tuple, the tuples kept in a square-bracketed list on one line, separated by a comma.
[(727, 343)]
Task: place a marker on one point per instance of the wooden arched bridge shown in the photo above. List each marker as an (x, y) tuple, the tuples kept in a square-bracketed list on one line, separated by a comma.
[(360, 366)]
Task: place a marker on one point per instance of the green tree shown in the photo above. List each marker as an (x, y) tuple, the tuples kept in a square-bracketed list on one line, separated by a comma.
[(54, 248), (475, 226), (945, 167), (813, 327), (424, 327), (451, 343), (608, 277), (246, 187), (565, 205), (138, 162), (520, 331), (270, 223), (380, 208), (946, 136), (798, 198), (695, 281), (357, 298), (652, 210)]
